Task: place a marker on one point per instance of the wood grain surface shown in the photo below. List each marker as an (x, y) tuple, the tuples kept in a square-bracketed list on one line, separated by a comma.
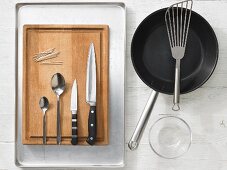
[(72, 41)]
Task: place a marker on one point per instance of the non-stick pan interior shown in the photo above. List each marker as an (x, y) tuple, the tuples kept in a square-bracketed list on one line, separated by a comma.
[(152, 58)]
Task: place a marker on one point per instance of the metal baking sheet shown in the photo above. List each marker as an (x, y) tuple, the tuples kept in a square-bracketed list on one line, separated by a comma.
[(112, 14)]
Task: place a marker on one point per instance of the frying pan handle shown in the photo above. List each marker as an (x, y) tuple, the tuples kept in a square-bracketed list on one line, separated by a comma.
[(176, 96), (134, 141)]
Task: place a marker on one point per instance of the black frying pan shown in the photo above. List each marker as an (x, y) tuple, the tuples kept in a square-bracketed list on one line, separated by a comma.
[(154, 64)]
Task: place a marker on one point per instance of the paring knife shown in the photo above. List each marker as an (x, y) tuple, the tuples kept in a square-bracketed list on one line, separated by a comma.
[(74, 140), (91, 95)]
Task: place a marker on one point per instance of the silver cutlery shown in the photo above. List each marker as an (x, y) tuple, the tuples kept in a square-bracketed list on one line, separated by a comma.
[(74, 140), (58, 87), (91, 95), (177, 18), (44, 105)]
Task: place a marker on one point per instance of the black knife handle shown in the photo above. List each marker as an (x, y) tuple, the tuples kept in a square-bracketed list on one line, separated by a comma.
[(74, 140), (92, 126)]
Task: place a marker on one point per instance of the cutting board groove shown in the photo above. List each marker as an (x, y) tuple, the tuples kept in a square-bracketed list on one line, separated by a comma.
[(72, 41)]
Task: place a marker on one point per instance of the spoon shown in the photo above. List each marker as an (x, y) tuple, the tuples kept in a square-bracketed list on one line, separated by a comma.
[(58, 86), (44, 105)]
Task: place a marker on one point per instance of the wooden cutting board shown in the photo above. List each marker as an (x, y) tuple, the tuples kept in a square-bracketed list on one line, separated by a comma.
[(72, 41)]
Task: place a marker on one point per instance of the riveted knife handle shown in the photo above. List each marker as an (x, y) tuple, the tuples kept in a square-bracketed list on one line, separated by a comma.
[(74, 140), (92, 126)]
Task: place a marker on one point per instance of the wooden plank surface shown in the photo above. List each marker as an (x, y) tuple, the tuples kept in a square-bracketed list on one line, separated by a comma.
[(72, 41)]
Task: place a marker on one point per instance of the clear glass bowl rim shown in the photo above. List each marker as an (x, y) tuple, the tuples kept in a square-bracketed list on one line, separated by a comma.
[(175, 117)]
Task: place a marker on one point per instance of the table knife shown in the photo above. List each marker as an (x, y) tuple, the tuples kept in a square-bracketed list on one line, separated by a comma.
[(74, 140), (91, 95)]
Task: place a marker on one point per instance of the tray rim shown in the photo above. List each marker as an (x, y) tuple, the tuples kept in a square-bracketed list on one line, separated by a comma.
[(18, 5)]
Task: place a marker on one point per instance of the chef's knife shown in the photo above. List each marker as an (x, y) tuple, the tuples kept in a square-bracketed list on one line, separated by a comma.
[(74, 113), (91, 95)]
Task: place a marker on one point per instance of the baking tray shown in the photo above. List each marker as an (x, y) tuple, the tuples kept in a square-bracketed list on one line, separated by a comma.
[(112, 14)]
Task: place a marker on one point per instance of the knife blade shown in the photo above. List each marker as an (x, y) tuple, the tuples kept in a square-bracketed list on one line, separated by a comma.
[(74, 140), (91, 95)]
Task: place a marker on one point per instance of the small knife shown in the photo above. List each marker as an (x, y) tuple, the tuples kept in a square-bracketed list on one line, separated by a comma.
[(74, 113), (91, 95)]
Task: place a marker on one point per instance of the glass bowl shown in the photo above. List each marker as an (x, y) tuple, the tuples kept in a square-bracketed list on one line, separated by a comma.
[(170, 137)]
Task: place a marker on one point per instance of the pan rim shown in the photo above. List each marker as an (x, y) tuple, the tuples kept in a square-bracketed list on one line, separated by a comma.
[(216, 56)]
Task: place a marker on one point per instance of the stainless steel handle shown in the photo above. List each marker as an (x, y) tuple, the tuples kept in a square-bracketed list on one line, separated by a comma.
[(44, 129), (176, 97), (58, 121), (135, 139)]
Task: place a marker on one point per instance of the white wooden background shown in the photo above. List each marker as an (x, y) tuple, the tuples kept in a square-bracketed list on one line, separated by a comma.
[(205, 109)]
